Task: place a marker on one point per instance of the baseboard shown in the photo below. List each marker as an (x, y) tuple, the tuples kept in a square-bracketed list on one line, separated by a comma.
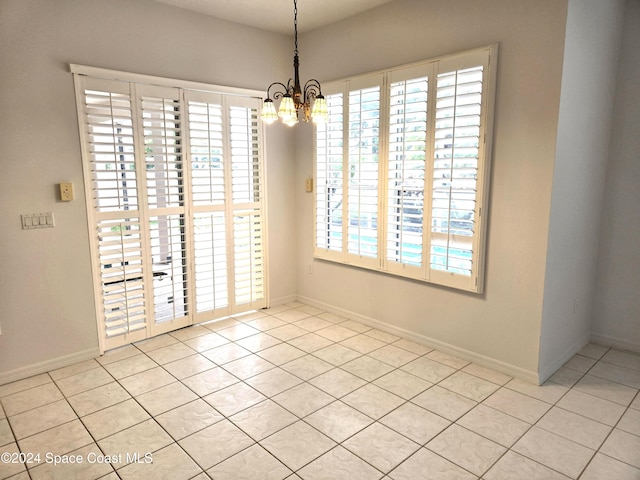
[(488, 362), (276, 302), (48, 365), (546, 372), (615, 342)]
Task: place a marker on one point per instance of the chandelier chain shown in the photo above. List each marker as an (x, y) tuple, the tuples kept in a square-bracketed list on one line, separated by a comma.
[(295, 25)]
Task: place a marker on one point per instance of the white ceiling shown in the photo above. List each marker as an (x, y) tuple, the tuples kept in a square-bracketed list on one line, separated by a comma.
[(277, 15)]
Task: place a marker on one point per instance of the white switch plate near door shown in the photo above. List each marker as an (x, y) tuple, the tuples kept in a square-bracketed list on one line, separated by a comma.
[(37, 220)]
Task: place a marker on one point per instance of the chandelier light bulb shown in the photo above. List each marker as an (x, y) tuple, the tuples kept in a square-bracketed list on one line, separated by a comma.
[(320, 113), (287, 108), (269, 114)]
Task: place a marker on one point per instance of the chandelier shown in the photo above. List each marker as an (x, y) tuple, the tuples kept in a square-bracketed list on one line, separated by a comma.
[(295, 101)]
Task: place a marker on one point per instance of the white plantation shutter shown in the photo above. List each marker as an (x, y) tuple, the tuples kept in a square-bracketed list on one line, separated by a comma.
[(163, 151), (110, 165), (413, 170), (108, 123), (211, 263), (248, 250), (162, 136), (362, 170), (245, 207), (226, 173), (121, 285), (174, 189), (407, 150), (208, 173), (207, 166), (329, 200), (460, 171), (347, 172), (168, 249)]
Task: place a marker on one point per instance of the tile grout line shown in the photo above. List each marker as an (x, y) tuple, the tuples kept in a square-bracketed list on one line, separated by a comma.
[(335, 399)]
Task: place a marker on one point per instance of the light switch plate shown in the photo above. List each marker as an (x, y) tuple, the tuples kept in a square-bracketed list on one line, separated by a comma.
[(37, 220)]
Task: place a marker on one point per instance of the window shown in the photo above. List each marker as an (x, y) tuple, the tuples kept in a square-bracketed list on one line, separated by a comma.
[(402, 170), (173, 177)]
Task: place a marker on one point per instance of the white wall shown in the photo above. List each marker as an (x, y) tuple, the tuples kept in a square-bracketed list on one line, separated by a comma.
[(586, 108), (47, 315), (616, 319), (502, 326)]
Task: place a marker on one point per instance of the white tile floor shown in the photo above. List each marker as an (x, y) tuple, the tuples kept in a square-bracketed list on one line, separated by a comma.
[(294, 392)]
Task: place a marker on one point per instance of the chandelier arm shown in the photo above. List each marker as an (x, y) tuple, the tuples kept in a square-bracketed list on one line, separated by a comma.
[(278, 94), (312, 89)]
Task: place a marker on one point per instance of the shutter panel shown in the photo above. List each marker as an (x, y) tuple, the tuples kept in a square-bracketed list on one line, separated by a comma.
[(329, 177), (455, 170), (122, 285), (248, 222), (406, 173), (211, 265), (208, 166), (108, 128), (245, 162), (168, 249), (162, 136), (248, 255), (227, 188), (207, 174), (163, 151), (362, 181)]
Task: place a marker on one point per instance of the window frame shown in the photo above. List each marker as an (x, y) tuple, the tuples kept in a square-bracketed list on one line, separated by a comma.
[(485, 57)]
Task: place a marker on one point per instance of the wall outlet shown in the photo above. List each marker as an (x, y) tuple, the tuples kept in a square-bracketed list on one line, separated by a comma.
[(66, 191), (308, 185)]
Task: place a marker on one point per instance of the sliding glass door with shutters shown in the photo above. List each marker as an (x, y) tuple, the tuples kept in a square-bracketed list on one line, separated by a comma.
[(174, 189)]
